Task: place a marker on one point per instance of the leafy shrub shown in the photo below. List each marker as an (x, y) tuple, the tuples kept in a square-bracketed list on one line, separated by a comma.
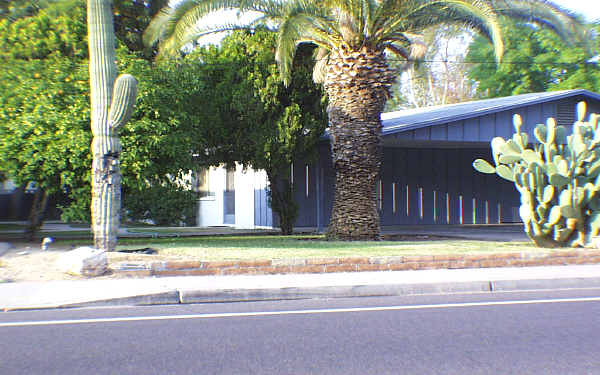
[(558, 178), (163, 205)]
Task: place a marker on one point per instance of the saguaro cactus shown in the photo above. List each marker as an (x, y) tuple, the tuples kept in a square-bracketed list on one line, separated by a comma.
[(112, 100), (558, 178)]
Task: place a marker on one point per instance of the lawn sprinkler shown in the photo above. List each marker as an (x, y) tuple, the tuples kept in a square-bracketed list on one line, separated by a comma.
[(46, 242)]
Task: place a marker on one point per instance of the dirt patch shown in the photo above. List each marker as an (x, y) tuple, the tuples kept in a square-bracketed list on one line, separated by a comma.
[(26, 262)]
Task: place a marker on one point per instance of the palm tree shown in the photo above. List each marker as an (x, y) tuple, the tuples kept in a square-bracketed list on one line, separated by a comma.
[(354, 38)]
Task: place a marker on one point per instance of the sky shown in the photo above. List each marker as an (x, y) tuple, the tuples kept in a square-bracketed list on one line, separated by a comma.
[(590, 9)]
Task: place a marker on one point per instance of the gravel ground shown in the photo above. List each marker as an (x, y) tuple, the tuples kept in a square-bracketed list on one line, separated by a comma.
[(26, 262)]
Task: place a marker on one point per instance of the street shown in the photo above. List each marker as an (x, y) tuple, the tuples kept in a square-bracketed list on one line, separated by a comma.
[(549, 332)]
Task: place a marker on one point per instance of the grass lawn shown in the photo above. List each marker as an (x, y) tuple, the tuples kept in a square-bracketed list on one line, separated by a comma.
[(235, 247), (212, 248)]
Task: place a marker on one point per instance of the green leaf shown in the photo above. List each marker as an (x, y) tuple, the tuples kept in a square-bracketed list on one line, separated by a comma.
[(593, 170), (569, 212), (548, 194), (561, 135), (565, 198), (551, 130), (525, 213), (531, 156), (541, 211), (505, 172), (561, 235), (555, 215), (483, 166), (558, 180), (511, 147), (594, 221), (563, 167), (530, 178), (581, 110), (509, 158), (540, 133)]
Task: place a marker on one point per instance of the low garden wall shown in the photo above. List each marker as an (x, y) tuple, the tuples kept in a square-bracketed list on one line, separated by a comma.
[(358, 264)]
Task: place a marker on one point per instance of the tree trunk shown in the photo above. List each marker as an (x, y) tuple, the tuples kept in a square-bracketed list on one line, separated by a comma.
[(112, 100), (283, 203), (358, 85), (36, 214)]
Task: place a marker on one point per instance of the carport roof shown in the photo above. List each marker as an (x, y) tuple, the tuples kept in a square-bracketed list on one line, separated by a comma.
[(411, 119)]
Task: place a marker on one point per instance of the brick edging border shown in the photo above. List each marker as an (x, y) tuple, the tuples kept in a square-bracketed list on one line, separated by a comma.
[(354, 264)]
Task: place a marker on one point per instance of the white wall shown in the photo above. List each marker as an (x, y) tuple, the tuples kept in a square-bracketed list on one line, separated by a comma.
[(244, 198), (210, 210)]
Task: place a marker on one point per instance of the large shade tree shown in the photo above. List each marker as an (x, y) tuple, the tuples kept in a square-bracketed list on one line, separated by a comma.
[(45, 121), (536, 60), (354, 39)]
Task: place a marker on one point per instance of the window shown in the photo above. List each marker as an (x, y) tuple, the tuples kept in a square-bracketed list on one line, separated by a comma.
[(201, 184)]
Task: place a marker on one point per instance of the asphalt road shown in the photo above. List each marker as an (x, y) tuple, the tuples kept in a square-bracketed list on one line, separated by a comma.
[(550, 332)]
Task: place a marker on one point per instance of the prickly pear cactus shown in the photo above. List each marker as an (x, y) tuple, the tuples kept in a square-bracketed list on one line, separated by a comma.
[(558, 178), (112, 100)]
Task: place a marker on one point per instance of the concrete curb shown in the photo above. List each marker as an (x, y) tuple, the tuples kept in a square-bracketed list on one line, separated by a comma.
[(211, 289), (337, 291)]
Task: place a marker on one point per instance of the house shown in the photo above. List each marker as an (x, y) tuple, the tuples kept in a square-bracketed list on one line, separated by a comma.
[(427, 175), (234, 197)]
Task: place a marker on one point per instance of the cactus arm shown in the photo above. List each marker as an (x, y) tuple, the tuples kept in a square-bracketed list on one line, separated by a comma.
[(112, 101), (123, 100)]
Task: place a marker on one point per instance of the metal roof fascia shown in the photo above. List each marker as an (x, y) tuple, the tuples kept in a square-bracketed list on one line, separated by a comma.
[(486, 111)]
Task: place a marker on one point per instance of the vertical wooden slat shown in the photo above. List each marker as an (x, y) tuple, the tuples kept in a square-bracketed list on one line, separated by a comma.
[(441, 184), (413, 166), (453, 185), (471, 131), (455, 131), (426, 182), (481, 190), (466, 185), (402, 180)]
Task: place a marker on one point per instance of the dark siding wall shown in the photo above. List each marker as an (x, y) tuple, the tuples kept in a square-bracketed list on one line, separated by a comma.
[(263, 216), (306, 193), (593, 107), (437, 186), (15, 205), (425, 186)]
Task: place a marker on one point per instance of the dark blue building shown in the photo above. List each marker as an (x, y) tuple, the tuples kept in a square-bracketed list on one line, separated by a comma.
[(427, 175)]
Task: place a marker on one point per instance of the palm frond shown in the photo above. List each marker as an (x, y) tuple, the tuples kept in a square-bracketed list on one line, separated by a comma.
[(547, 14), (429, 13), (155, 30), (288, 36)]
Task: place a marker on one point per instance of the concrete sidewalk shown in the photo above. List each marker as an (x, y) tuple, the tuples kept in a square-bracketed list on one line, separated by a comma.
[(204, 289)]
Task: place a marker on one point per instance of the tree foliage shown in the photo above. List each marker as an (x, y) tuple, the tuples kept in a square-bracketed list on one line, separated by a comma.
[(440, 78), (251, 118), (536, 60), (44, 115)]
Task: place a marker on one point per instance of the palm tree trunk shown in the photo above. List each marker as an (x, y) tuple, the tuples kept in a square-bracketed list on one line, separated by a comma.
[(358, 85)]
